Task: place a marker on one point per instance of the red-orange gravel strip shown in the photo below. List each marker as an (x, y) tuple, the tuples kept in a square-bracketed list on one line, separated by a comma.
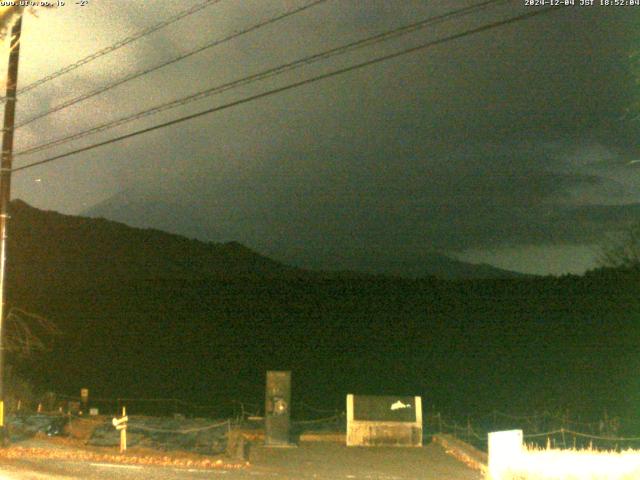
[(17, 452)]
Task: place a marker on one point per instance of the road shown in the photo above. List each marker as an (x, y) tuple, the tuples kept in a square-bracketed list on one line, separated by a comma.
[(319, 461)]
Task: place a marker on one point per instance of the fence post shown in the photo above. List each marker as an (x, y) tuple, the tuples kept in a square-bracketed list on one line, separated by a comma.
[(123, 433)]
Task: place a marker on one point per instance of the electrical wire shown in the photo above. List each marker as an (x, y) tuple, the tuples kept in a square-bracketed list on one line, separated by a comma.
[(171, 61), (291, 86), (117, 45), (366, 42)]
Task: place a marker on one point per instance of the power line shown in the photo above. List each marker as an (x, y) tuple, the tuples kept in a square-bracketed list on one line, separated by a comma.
[(171, 61), (291, 86), (117, 45), (358, 44), (369, 41)]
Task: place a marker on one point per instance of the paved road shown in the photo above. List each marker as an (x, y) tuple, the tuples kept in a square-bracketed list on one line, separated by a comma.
[(319, 461)]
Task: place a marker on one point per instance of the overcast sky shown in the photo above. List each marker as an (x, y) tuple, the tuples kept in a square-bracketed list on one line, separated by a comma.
[(509, 146)]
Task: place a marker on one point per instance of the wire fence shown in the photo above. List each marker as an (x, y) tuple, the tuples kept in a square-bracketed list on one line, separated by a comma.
[(142, 406), (137, 425), (544, 429), (302, 412)]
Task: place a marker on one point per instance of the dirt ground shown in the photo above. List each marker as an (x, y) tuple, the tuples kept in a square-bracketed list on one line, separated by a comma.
[(335, 461), (308, 460)]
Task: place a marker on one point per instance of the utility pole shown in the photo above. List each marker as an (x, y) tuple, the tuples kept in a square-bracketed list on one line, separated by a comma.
[(5, 193)]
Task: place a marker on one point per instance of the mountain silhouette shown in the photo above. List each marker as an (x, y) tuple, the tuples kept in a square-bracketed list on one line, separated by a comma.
[(52, 247), (148, 314), (131, 209)]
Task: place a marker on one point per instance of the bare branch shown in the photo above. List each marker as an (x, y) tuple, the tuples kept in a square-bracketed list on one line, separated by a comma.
[(25, 332)]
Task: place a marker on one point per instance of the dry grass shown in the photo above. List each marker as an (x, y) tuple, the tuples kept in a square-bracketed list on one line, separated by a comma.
[(82, 428), (554, 464), (73, 446)]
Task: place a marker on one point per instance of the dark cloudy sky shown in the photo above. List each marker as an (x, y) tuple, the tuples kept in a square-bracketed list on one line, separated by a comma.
[(509, 146)]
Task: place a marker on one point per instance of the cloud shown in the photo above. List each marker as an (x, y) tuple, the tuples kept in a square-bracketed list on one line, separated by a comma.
[(496, 139), (479, 197)]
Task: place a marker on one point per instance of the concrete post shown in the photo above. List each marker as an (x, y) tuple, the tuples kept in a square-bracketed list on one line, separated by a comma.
[(505, 450)]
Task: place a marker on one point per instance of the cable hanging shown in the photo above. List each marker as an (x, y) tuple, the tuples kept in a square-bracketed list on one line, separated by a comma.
[(295, 85), (116, 46), (166, 63), (366, 42)]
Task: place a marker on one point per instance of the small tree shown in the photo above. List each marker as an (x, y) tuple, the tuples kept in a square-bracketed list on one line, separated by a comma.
[(25, 333)]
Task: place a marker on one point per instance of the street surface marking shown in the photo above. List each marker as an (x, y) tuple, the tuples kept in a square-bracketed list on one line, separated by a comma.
[(115, 465), (197, 470)]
